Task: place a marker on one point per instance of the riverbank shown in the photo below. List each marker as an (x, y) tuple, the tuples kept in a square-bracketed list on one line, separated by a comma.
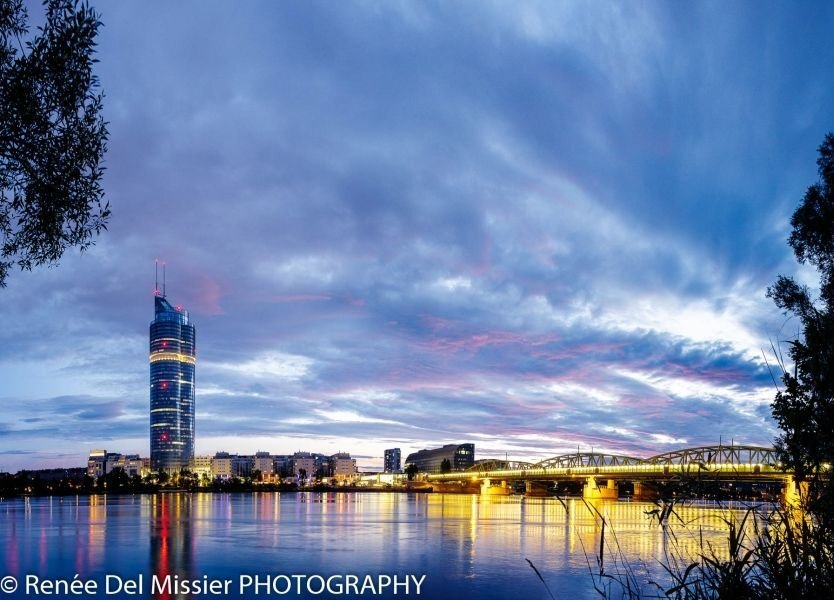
[(215, 489)]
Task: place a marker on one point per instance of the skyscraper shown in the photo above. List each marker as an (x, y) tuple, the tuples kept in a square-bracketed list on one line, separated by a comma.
[(172, 358)]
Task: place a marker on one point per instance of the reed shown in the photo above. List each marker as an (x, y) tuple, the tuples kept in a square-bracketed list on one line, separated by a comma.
[(769, 554)]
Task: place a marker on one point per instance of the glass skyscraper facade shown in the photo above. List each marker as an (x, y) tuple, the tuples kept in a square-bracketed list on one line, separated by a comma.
[(173, 359), (392, 461)]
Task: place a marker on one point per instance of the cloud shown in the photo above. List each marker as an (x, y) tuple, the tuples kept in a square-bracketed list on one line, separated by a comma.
[(269, 365), (535, 227)]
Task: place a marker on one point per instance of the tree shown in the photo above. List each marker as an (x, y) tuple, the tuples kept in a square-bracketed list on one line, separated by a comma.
[(186, 479), (52, 135), (804, 409), (445, 466), (116, 480), (411, 470)]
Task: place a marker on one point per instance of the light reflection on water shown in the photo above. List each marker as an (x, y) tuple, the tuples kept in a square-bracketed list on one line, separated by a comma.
[(468, 546)]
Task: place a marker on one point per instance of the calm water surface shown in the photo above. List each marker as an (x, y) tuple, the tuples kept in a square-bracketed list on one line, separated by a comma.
[(467, 546)]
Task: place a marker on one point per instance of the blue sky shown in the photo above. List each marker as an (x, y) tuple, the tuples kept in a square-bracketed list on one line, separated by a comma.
[(532, 226)]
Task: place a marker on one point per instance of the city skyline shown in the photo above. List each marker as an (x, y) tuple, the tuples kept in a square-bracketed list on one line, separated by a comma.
[(406, 225)]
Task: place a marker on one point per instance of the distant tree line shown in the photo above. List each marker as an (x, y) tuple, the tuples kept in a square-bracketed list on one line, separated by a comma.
[(117, 481)]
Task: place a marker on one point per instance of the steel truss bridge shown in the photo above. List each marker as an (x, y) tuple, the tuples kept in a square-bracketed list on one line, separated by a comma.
[(726, 463)]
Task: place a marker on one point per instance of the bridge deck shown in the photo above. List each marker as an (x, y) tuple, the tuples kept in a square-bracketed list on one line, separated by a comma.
[(730, 471)]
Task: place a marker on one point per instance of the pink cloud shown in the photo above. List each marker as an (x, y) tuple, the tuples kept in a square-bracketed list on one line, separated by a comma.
[(480, 340), (207, 301)]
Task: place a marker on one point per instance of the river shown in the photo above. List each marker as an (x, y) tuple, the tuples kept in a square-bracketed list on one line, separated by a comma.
[(339, 545)]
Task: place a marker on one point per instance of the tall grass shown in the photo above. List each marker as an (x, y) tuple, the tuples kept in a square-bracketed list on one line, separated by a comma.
[(768, 554), (785, 556)]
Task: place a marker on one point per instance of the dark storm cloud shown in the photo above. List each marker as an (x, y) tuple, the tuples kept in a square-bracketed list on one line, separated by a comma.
[(533, 226)]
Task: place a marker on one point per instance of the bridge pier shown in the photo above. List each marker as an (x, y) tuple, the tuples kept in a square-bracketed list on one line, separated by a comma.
[(485, 484), (487, 489), (643, 492), (592, 491), (533, 490), (794, 494)]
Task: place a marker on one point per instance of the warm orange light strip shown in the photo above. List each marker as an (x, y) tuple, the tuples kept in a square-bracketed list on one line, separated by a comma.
[(157, 356)]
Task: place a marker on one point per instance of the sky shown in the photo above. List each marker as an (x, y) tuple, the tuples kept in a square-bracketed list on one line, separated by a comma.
[(534, 226)]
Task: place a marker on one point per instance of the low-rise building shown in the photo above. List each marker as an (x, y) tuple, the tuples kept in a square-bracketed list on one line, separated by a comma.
[(303, 465), (101, 462), (342, 466), (131, 464), (264, 463), (379, 480), (221, 466), (242, 465), (97, 463), (460, 457), (201, 466), (281, 465)]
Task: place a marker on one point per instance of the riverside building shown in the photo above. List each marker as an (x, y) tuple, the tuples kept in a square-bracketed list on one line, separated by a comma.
[(392, 463), (172, 361), (460, 457)]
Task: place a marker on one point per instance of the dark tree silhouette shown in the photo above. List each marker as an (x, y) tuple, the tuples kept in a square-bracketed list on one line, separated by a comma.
[(52, 135), (445, 466), (804, 408), (114, 481), (411, 470)]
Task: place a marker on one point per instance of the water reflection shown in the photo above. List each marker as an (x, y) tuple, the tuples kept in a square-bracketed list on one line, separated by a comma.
[(468, 546), (171, 540)]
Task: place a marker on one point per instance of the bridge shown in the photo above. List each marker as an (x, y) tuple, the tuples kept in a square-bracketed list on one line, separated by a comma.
[(601, 472)]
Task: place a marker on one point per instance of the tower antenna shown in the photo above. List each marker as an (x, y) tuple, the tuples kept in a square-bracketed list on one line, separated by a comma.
[(156, 277), (163, 279)]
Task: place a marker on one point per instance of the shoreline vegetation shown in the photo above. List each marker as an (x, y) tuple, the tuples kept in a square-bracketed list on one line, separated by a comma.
[(770, 552), (28, 484)]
